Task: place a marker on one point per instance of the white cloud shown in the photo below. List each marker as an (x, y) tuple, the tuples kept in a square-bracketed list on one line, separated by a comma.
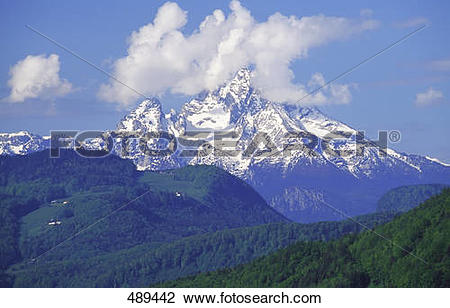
[(429, 97), (413, 22), (36, 76), (161, 58), (440, 65)]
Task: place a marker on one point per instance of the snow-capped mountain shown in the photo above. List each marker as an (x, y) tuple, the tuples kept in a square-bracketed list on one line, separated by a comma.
[(147, 118), (239, 110), (302, 161), (263, 143), (22, 143)]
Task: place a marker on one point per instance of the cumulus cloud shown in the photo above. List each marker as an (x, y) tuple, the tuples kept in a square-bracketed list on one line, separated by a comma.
[(37, 76), (162, 58), (429, 97)]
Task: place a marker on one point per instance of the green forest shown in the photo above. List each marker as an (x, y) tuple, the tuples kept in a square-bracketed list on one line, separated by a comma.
[(151, 263), (76, 192), (410, 251), (180, 223)]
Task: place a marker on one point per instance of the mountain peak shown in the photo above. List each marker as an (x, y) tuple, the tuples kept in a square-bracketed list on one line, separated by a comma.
[(149, 103), (243, 76), (147, 116), (21, 143)]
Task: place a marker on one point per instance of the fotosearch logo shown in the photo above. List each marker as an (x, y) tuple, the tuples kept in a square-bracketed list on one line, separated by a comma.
[(217, 143)]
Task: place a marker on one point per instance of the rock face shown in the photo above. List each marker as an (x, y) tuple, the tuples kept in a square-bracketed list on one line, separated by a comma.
[(22, 143), (300, 160), (148, 117), (299, 181)]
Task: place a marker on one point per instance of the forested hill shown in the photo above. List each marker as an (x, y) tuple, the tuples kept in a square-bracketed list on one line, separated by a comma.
[(189, 220), (404, 198), (46, 200), (145, 264), (365, 260), (179, 228)]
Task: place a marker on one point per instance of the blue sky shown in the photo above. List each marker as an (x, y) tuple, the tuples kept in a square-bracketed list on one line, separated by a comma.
[(384, 98)]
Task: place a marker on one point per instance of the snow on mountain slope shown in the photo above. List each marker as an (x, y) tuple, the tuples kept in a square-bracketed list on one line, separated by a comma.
[(22, 143), (269, 145), (298, 158), (146, 117), (236, 107), (437, 161), (146, 120), (240, 109)]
